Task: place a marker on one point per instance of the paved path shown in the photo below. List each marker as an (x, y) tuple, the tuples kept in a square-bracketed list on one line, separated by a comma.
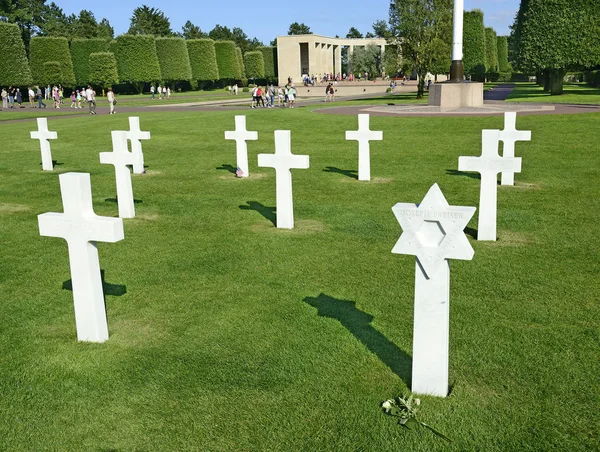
[(500, 92)]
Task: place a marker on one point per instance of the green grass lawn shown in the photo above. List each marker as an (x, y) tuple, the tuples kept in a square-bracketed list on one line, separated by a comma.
[(228, 334), (574, 93)]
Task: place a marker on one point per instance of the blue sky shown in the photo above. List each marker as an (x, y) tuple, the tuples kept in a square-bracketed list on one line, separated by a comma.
[(266, 21)]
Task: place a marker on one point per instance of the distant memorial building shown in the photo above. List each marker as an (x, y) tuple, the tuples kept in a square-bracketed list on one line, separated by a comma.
[(299, 55)]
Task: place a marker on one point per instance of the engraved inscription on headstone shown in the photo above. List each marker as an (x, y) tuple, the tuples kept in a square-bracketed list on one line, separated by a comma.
[(433, 232), (283, 160), (43, 134), (363, 135), (489, 164), (240, 135), (82, 228)]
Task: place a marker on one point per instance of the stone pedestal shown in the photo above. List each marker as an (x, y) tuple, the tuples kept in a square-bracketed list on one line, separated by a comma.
[(456, 95)]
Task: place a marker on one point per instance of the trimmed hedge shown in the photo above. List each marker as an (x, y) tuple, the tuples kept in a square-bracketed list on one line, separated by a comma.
[(474, 44), (203, 59), (81, 49), (173, 59), (137, 62), (227, 61), (240, 60), (491, 50), (52, 73), (255, 65), (269, 60), (592, 78), (42, 49), (502, 45), (103, 69), (14, 69)]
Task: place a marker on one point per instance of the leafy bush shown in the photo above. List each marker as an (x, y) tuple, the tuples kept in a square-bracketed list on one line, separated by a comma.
[(505, 76), (269, 60), (245, 89), (81, 49), (42, 49), (240, 60), (254, 63), (491, 50), (52, 73), (173, 59), (502, 46), (14, 70), (137, 62), (227, 61), (103, 69), (203, 59), (474, 44)]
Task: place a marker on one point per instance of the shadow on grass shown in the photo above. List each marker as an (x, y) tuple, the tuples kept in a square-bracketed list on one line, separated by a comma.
[(267, 212), (452, 172), (359, 324), (135, 201), (54, 163), (109, 289), (472, 232), (350, 173), (227, 167)]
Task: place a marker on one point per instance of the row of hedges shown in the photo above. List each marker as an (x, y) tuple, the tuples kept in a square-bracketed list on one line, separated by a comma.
[(14, 69), (81, 49), (173, 59), (203, 59), (45, 49)]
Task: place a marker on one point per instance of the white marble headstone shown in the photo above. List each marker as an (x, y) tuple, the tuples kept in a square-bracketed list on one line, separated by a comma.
[(43, 134), (433, 232), (120, 157), (509, 136), (283, 160), (135, 135), (489, 164), (82, 228), (241, 135), (363, 135)]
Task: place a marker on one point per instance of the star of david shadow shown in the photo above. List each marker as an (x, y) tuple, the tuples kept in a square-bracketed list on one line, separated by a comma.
[(227, 167), (349, 173), (359, 324), (267, 212), (116, 290), (115, 200)]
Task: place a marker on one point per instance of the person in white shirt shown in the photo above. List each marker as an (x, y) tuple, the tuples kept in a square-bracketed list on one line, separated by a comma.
[(91, 98), (160, 90), (110, 97), (31, 95)]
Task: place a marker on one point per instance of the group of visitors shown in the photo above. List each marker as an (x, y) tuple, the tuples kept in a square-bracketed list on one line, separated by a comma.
[(10, 96), (329, 93), (233, 89), (164, 92), (265, 98)]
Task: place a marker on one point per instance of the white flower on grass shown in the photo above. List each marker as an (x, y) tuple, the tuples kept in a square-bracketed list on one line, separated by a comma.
[(387, 405)]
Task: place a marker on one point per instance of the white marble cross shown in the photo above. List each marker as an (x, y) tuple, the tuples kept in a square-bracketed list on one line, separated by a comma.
[(363, 135), (43, 134), (240, 135), (509, 136), (489, 164), (82, 228), (433, 232), (283, 160), (135, 135), (120, 158)]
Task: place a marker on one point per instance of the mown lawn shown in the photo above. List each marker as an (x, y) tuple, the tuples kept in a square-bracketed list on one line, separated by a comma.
[(228, 334), (574, 93)]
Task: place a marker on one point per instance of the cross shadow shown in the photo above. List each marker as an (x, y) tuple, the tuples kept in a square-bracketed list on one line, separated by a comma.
[(452, 172), (54, 163), (109, 289), (472, 232), (267, 212), (350, 173), (135, 201), (227, 167), (359, 324)]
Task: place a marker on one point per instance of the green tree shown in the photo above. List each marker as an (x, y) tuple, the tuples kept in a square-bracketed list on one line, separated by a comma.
[(551, 37), (14, 70), (241, 68), (81, 49), (474, 45), (173, 59), (221, 33), (105, 29), (491, 50), (254, 64), (502, 45), (191, 31), (420, 27), (299, 29), (103, 69), (227, 61), (46, 48), (269, 60), (381, 29), (353, 33), (85, 26), (27, 14), (365, 59), (137, 62), (149, 21), (203, 59)]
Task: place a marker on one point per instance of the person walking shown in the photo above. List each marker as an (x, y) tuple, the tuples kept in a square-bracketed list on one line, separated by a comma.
[(40, 97), (91, 98), (78, 98), (4, 98), (19, 97), (152, 92), (31, 95), (11, 97), (110, 96)]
